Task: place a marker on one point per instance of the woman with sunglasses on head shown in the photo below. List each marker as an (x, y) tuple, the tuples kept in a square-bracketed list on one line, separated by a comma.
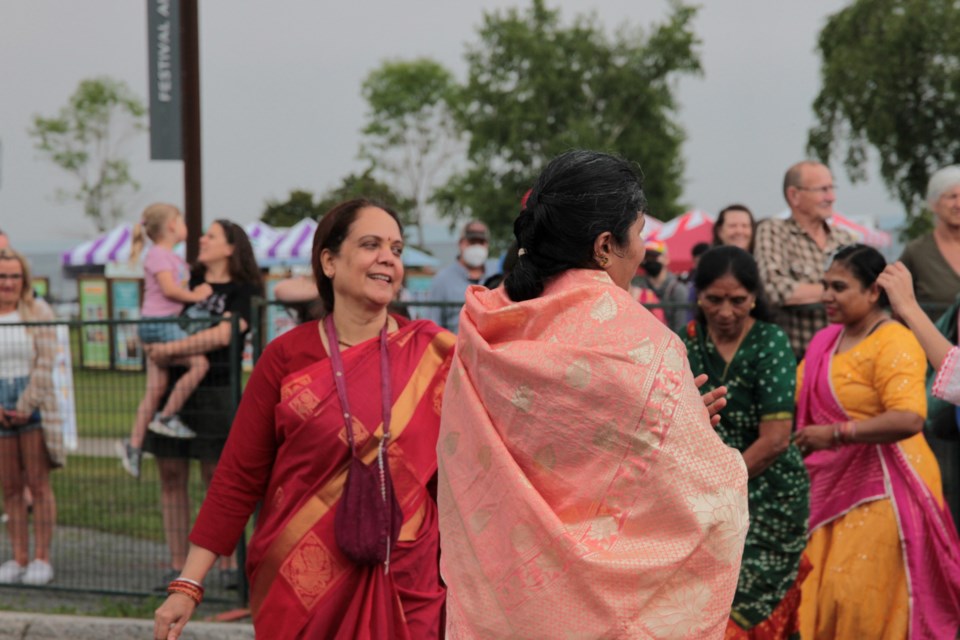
[(733, 344), (886, 558)]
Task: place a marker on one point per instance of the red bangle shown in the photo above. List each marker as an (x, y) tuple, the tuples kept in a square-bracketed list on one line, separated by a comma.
[(848, 430), (187, 588)]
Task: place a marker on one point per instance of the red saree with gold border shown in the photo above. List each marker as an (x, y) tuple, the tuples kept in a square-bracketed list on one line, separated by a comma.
[(301, 585)]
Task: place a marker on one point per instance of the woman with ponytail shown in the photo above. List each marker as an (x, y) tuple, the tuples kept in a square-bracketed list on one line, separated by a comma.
[(582, 489)]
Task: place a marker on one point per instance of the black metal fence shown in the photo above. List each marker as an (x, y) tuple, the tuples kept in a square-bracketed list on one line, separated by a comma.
[(108, 533)]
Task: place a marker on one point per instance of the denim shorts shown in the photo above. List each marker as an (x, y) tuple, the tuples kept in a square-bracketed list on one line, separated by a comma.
[(161, 331), (10, 391)]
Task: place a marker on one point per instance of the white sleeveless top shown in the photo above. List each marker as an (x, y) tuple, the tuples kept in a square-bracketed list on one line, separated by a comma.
[(16, 347)]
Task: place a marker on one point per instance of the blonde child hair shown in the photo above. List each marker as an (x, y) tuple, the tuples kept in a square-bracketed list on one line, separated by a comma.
[(155, 217)]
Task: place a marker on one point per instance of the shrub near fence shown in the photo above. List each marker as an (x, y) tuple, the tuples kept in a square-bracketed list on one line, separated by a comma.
[(109, 535)]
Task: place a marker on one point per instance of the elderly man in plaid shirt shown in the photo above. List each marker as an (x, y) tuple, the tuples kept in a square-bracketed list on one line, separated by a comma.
[(792, 253)]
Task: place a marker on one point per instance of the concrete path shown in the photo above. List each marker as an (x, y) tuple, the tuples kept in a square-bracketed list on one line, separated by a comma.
[(42, 626)]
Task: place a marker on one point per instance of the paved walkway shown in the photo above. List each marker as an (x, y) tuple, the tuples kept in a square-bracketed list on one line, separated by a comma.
[(42, 626), (101, 447)]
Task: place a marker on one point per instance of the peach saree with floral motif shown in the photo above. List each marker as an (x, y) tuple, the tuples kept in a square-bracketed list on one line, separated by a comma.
[(582, 490)]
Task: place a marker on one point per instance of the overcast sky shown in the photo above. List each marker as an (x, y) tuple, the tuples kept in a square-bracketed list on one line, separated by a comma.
[(282, 109)]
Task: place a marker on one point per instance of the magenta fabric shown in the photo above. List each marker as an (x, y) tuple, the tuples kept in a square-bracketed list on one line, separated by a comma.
[(842, 479)]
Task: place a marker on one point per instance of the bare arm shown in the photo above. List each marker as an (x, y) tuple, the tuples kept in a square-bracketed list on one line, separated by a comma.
[(773, 441), (175, 612), (201, 342), (300, 289), (890, 426), (898, 283), (172, 289), (804, 293)]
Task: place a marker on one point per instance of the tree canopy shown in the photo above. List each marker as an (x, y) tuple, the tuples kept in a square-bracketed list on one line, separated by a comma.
[(537, 87), (302, 203), (410, 136), (891, 82), (86, 139)]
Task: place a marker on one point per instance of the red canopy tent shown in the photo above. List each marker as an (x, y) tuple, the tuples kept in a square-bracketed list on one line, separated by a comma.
[(681, 234)]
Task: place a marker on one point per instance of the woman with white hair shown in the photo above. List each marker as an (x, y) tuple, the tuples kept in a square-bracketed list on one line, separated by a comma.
[(934, 259), (934, 262)]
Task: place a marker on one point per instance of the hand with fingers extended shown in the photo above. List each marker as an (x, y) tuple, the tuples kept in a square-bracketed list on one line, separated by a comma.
[(172, 616), (713, 400)]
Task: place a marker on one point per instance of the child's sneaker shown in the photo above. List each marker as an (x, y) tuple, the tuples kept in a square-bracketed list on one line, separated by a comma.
[(38, 572), (130, 457), (11, 572), (171, 426)]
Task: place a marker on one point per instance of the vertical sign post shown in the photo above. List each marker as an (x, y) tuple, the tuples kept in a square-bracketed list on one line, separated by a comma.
[(166, 88)]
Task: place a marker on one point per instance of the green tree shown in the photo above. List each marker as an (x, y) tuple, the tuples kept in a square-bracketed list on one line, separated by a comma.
[(536, 88), (301, 204), (410, 137), (87, 138), (890, 76), (296, 207)]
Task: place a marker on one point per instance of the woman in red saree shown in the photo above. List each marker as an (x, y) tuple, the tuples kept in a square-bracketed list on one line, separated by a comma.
[(288, 450)]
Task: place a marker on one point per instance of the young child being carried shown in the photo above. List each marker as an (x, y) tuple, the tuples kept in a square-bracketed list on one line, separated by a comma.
[(164, 295)]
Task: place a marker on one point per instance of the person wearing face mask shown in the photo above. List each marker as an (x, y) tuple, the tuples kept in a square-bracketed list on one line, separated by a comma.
[(667, 286), (450, 284)]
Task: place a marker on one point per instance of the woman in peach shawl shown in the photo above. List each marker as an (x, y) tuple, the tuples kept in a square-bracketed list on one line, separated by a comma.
[(582, 490)]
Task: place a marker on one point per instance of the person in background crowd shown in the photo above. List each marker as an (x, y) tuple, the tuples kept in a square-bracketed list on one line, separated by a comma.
[(509, 261), (886, 560), (31, 436), (582, 490), (944, 357), (698, 250), (227, 264), (733, 344), (934, 262), (934, 259), (288, 453), (735, 226), (450, 284), (791, 253), (667, 287), (164, 295)]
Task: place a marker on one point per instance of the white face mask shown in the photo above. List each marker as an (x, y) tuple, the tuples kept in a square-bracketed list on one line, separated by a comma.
[(475, 255)]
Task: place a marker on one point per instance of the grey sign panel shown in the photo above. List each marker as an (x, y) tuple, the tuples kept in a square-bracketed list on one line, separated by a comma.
[(166, 88)]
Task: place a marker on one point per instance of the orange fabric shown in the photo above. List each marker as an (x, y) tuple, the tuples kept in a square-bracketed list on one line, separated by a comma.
[(582, 490)]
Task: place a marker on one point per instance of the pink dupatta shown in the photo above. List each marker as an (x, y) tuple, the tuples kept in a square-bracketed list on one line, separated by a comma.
[(844, 478)]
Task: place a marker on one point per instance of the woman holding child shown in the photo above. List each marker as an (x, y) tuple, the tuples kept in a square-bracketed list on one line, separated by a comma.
[(227, 265)]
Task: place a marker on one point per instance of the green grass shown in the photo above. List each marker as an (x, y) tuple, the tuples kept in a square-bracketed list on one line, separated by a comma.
[(96, 493)]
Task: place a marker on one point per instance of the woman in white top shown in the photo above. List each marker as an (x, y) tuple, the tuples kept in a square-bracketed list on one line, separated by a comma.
[(29, 448)]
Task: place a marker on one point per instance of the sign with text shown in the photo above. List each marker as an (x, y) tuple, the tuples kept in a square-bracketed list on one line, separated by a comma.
[(166, 88), (94, 338)]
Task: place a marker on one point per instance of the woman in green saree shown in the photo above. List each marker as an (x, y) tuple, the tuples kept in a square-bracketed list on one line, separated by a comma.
[(731, 343)]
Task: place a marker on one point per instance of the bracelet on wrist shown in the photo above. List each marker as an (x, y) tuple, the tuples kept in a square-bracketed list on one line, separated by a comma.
[(187, 587)]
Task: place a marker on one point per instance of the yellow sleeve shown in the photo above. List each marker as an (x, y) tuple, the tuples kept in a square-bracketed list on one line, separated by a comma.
[(900, 371), (800, 368)]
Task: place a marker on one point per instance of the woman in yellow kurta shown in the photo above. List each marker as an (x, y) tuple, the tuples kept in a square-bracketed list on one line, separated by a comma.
[(884, 550)]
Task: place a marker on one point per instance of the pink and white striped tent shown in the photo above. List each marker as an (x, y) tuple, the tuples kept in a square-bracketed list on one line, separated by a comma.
[(114, 245)]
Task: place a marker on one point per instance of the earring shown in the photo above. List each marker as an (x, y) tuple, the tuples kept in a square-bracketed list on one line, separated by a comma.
[(699, 303), (602, 260), (753, 305)]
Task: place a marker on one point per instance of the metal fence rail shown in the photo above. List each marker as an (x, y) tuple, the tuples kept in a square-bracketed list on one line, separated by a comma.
[(109, 533)]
